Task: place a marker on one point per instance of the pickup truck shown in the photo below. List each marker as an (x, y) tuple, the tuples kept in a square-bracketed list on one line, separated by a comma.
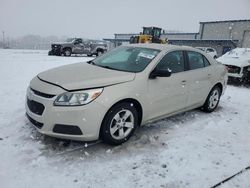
[(78, 46)]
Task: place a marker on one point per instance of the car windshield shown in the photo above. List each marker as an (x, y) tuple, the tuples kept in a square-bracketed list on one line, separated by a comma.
[(129, 59), (70, 39)]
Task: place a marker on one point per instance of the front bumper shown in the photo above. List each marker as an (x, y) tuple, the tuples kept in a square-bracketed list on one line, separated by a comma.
[(55, 50), (87, 118), (235, 75)]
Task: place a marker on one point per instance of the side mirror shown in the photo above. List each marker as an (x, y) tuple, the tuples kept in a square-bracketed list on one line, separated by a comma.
[(160, 73)]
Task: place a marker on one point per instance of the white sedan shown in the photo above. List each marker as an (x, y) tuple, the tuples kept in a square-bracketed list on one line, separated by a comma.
[(210, 51), (129, 86)]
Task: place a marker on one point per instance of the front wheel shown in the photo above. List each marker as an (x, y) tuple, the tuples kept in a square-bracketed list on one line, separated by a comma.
[(119, 124), (99, 52), (67, 52), (212, 100)]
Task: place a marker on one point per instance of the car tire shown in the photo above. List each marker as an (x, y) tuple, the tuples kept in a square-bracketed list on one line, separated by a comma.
[(89, 55), (67, 52), (119, 123), (99, 52), (212, 100), (246, 76)]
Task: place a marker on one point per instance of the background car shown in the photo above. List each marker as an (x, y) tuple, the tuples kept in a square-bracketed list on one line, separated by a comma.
[(210, 51), (79, 46), (110, 96), (238, 63)]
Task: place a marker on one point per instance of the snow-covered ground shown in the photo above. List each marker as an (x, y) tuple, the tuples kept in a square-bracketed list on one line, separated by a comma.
[(193, 149)]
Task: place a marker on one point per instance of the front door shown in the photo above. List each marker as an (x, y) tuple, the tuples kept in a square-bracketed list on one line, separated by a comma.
[(78, 46), (168, 95)]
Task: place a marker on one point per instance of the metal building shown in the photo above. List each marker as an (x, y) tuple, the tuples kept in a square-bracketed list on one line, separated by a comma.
[(231, 29), (221, 35)]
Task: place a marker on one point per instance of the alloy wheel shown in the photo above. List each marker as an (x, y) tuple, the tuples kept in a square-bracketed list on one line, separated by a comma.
[(214, 99), (122, 124), (67, 53)]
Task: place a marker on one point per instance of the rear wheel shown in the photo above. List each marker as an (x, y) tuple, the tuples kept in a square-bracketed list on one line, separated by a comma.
[(246, 75), (119, 124), (212, 100)]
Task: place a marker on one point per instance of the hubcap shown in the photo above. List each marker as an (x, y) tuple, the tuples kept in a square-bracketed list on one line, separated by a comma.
[(67, 52), (122, 124), (214, 99)]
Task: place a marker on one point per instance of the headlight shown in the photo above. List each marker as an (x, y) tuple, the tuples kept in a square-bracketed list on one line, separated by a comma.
[(77, 98)]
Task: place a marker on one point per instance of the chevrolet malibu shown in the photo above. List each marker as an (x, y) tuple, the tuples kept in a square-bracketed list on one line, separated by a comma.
[(110, 96)]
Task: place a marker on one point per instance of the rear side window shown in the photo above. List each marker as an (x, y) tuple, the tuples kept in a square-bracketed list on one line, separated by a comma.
[(210, 50), (196, 60), (173, 61), (78, 40)]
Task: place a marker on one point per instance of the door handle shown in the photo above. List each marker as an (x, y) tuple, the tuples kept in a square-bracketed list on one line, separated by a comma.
[(209, 75)]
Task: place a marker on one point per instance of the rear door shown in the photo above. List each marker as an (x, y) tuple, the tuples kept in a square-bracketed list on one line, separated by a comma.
[(167, 95), (200, 74)]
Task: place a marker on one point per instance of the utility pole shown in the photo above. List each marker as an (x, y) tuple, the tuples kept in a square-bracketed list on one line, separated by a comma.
[(3, 39)]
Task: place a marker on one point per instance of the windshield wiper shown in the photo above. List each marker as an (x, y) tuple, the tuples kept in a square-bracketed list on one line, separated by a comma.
[(108, 67), (91, 62)]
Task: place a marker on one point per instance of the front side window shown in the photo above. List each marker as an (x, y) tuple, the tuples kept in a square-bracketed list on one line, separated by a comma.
[(173, 61), (195, 60), (129, 59)]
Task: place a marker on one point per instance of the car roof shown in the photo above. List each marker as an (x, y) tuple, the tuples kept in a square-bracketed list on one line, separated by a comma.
[(199, 47), (161, 47)]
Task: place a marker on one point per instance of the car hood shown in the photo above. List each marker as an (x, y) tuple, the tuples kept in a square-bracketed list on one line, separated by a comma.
[(83, 76), (234, 61), (61, 43)]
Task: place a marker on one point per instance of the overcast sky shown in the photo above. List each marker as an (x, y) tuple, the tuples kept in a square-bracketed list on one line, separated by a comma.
[(103, 18)]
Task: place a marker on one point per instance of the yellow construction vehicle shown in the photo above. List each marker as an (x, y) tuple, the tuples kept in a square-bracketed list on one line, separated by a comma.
[(149, 35)]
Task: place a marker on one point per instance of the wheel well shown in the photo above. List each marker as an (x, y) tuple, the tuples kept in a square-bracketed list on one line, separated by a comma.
[(220, 86), (99, 50)]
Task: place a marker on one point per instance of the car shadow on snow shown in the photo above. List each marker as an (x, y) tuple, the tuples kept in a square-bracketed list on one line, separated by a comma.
[(237, 83), (153, 135)]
